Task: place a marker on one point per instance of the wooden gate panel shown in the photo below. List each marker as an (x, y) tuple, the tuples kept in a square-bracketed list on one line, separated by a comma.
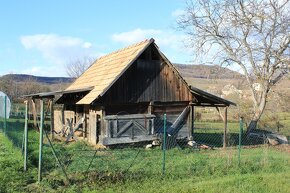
[(129, 128)]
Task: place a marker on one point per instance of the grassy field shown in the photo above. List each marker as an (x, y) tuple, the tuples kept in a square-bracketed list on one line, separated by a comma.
[(262, 169)]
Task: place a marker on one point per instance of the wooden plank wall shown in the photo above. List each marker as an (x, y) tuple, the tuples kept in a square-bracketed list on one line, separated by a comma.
[(172, 113), (148, 80), (60, 118), (57, 120)]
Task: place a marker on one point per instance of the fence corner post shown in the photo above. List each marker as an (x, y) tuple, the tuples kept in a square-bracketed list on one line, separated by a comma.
[(5, 115)]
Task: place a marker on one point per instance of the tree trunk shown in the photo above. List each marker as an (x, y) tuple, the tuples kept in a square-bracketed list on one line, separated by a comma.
[(252, 126), (258, 112)]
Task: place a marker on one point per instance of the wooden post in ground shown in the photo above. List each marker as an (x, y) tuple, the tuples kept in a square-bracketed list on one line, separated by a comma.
[(225, 127), (40, 140), (25, 134)]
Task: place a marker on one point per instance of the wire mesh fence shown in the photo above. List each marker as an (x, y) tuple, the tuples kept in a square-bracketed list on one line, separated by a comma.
[(169, 154)]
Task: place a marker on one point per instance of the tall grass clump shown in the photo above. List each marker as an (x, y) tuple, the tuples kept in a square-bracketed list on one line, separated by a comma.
[(12, 176)]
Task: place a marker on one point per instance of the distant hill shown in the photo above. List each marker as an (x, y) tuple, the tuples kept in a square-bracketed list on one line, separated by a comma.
[(39, 79), (207, 72), (187, 71)]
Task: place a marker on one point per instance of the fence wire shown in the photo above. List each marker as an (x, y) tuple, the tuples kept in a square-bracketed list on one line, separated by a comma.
[(169, 156)]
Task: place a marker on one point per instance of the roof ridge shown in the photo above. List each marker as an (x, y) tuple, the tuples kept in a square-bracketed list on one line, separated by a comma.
[(125, 48)]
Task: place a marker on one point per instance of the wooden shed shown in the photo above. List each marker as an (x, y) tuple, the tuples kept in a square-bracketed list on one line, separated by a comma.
[(122, 97)]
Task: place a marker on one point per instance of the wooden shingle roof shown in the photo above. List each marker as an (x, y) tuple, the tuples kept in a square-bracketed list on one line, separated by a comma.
[(106, 70)]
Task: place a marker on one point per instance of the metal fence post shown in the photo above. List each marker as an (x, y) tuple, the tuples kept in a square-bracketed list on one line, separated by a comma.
[(40, 141), (164, 145), (25, 135), (5, 116), (240, 140)]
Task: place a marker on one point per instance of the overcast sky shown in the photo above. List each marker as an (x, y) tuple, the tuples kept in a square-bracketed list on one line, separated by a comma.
[(40, 37)]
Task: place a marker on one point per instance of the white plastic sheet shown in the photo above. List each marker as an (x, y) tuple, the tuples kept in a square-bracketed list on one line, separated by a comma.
[(2, 105)]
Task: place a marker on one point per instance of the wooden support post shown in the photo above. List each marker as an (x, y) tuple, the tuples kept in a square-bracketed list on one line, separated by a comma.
[(51, 119), (25, 135), (150, 107), (40, 141), (62, 115), (85, 124), (150, 111), (92, 137), (225, 127), (191, 122), (103, 130), (103, 124), (34, 113)]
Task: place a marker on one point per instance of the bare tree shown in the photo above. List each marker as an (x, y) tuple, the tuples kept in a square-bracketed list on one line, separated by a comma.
[(77, 67), (15, 89), (30, 86), (253, 34), (10, 87)]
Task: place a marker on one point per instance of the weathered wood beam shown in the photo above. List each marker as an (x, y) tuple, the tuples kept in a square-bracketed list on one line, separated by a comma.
[(173, 129), (191, 122), (138, 125), (124, 128), (209, 105), (124, 140), (131, 116)]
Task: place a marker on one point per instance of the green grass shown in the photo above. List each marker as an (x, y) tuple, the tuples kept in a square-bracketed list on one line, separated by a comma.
[(186, 171), (12, 177), (252, 183), (262, 169)]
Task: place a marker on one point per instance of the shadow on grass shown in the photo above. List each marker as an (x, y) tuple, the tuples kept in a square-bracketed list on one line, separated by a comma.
[(14, 132), (216, 139)]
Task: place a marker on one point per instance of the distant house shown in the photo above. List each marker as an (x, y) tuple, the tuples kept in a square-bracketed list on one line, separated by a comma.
[(122, 96), (231, 89)]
